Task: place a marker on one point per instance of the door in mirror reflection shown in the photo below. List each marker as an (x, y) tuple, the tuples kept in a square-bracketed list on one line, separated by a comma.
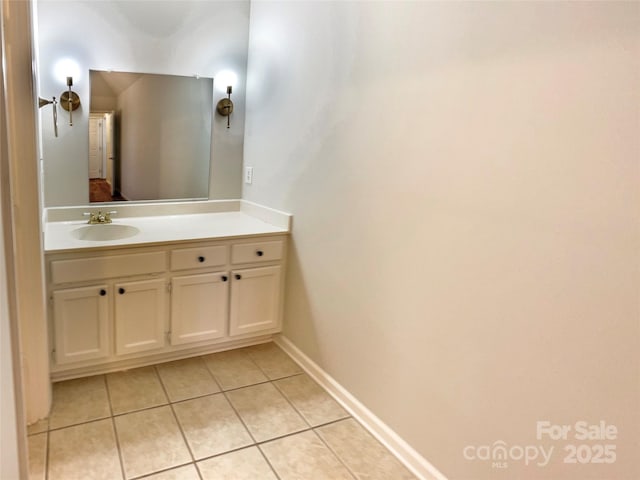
[(102, 182), (149, 136)]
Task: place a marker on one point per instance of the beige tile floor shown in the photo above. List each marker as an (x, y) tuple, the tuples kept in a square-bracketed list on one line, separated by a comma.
[(243, 414)]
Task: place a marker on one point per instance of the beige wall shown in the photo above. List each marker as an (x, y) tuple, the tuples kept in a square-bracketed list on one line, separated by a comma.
[(24, 365), (464, 183), (22, 215), (9, 415)]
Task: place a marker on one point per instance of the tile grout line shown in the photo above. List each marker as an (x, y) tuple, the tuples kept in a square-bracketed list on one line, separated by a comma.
[(349, 416), (113, 416), (291, 403), (182, 400), (360, 425), (221, 391), (340, 459), (250, 358), (298, 411), (269, 440), (213, 377), (175, 417), (93, 420), (311, 427), (240, 418), (168, 469), (248, 354), (266, 459), (234, 388), (255, 443), (137, 410), (113, 426), (194, 462)]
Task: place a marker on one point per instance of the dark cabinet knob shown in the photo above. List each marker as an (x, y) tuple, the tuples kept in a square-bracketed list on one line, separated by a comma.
[(224, 278), (103, 292), (201, 259), (259, 253), (121, 290), (238, 276)]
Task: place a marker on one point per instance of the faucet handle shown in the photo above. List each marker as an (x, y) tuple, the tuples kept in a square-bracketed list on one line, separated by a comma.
[(107, 216)]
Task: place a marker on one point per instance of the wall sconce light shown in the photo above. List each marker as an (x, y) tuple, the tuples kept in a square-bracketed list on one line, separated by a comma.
[(69, 100), (225, 106), (42, 102)]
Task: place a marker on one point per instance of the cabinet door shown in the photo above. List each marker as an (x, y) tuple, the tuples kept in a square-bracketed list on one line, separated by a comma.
[(81, 323), (255, 300), (140, 315), (199, 306)]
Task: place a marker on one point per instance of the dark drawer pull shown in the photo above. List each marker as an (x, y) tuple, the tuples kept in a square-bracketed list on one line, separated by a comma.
[(224, 278), (201, 259), (259, 253), (103, 292), (238, 276), (121, 290)]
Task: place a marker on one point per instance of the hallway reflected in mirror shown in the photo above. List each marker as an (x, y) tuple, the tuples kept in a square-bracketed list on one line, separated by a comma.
[(100, 191)]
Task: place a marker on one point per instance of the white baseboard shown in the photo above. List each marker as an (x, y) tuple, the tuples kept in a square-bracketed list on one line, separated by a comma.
[(415, 462)]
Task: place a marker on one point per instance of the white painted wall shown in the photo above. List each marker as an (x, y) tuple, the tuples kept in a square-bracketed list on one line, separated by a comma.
[(464, 183), (171, 37), (171, 167)]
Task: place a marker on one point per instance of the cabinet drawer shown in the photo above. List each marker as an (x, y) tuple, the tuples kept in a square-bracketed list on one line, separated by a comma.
[(99, 268), (256, 252), (200, 257)]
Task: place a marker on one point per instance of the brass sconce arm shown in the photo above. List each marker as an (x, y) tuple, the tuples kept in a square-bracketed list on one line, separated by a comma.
[(225, 106), (70, 100), (42, 102)]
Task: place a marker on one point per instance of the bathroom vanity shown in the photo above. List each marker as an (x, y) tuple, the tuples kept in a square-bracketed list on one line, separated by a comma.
[(160, 287)]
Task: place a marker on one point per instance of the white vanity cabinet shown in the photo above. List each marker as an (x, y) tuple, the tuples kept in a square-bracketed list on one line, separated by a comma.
[(82, 290), (247, 300), (199, 307), (139, 315), (199, 302), (126, 307), (81, 323), (254, 300)]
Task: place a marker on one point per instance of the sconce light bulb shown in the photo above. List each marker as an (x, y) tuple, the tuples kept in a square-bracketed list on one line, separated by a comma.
[(229, 89), (69, 81), (224, 79), (66, 68)]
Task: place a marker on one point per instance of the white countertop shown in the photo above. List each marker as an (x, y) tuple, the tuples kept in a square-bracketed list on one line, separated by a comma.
[(58, 236)]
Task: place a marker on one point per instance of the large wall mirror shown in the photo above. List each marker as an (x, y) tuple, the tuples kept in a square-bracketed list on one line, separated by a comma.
[(149, 136), (158, 137)]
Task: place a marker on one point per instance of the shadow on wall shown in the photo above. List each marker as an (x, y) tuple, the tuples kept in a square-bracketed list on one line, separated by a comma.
[(299, 322)]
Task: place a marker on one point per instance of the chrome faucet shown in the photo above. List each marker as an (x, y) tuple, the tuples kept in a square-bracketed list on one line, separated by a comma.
[(99, 218)]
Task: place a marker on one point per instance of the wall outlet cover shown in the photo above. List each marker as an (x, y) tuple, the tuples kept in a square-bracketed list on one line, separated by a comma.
[(248, 175)]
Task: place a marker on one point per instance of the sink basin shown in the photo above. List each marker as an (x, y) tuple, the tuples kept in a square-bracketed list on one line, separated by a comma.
[(101, 233)]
